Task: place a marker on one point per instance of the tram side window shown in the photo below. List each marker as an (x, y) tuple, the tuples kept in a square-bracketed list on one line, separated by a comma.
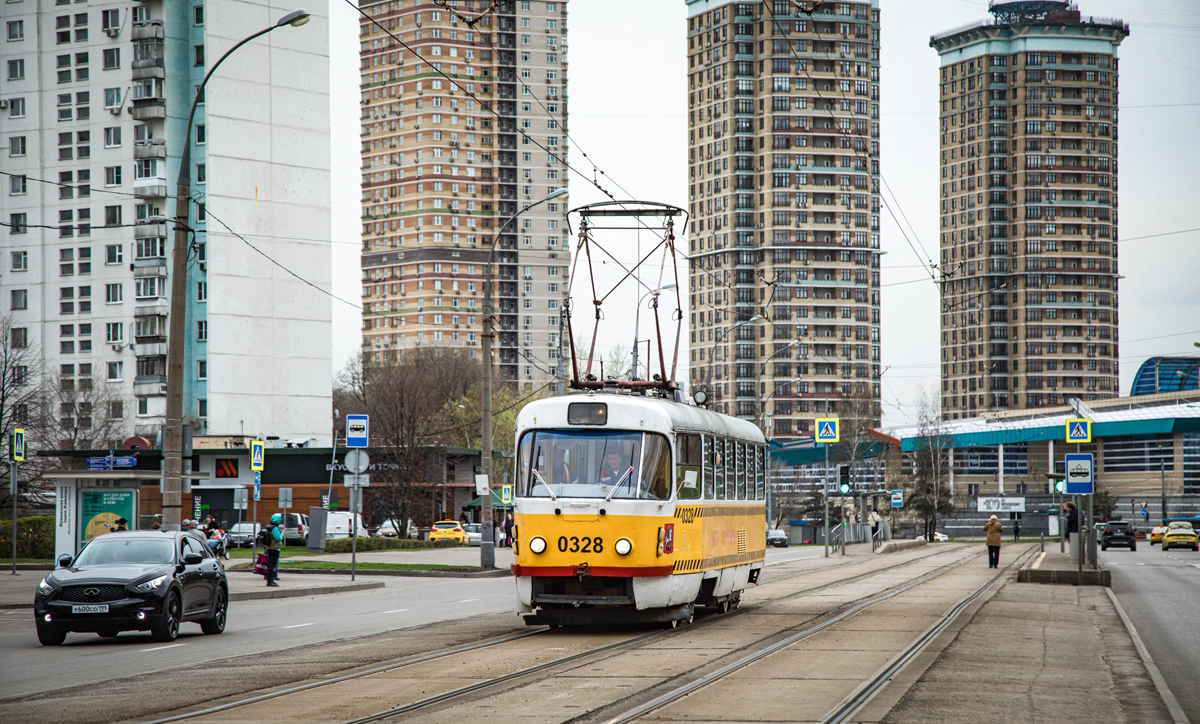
[(656, 468), (709, 476), (720, 460), (760, 472), (741, 470), (687, 466)]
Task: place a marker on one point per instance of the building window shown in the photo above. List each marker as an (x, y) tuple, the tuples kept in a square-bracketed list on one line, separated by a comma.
[(116, 409), (112, 137), (112, 58), (114, 332), (201, 173), (198, 15), (114, 254), (112, 176), (20, 259), (112, 215), (201, 369), (201, 134), (17, 224), (143, 405), (199, 53), (202, 331), (114, 293), (16, 69), (201, 291), (20, 299), (202, 407), (19, 337), (17, 185), (16, 146), (116, 371)]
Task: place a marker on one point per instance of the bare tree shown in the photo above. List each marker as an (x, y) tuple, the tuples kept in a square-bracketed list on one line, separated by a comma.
[(859, 417), (84, 412), (931, 465), (22, 398)]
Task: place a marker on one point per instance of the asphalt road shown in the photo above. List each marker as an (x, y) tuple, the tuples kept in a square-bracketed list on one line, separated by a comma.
[(256, 627), (253, 627), (1160, 591)]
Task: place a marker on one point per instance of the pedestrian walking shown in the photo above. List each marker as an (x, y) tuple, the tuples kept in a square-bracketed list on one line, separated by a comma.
[(875, 519), (1072, 519), (272, 542), (508, 530), (994, 530), (1016, 531), (193, 529)]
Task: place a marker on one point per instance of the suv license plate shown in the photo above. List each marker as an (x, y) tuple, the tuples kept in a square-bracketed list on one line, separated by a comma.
[(99, 608)]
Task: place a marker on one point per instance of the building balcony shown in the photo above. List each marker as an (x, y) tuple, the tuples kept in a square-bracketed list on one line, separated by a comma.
[(150, 385), (155, 149), (149, 231), (157, 349), (149, 109)]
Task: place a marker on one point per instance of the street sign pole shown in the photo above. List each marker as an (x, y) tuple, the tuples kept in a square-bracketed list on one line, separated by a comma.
[(17, 454), (825, 496), (355, 497)]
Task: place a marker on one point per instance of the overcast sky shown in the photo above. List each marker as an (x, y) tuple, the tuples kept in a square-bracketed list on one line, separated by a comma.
[(628, 107)]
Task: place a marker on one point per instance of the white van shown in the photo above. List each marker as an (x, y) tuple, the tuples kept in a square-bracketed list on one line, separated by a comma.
[(337, 525)]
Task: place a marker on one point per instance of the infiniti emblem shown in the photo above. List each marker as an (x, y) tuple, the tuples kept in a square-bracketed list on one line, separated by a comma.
[(91, 592)]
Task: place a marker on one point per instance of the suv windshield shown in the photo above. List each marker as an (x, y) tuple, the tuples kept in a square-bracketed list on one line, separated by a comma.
[(594, 464), (114, 551)]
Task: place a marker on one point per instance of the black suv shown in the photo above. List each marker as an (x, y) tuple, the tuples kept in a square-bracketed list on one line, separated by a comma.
[(133, 581), (1118, 533)]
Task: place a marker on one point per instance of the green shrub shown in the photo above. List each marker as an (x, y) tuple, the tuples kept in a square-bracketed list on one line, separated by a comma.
[(342, 545), (35, 537)]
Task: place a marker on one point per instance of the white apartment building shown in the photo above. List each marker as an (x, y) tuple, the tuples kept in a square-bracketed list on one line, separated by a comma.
[(94, 98)]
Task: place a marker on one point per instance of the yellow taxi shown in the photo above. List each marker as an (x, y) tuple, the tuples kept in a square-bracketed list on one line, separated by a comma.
[(1156, 534), (1180, 535), (448, 530)]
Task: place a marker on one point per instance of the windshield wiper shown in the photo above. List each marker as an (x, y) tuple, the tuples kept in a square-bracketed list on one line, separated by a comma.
[(619, 483), (543, 481)]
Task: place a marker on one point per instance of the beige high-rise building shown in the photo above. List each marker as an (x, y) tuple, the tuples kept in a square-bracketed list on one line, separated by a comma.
[(783, 192), (1028, 208), (445, 164)]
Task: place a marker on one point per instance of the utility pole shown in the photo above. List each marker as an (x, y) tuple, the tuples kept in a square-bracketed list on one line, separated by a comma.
[(487, 550), (177, 324)]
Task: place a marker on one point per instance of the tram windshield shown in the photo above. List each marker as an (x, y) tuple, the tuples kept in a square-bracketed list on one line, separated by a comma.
[(594, 464)]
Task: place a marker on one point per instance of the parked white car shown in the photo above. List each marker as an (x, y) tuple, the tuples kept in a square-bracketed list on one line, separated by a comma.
[(337, 525), (937, 537)]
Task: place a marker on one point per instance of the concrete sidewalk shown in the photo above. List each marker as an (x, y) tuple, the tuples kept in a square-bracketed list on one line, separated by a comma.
[(18, 591), (465, 556), (1054, 567)]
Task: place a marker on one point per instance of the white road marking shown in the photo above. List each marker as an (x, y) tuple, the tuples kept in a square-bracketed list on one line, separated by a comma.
[(398, 610), (297, 625), (160, 648), (468, 600)]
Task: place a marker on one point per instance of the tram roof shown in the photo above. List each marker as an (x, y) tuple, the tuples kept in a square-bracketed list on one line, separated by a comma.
[(675, 415)]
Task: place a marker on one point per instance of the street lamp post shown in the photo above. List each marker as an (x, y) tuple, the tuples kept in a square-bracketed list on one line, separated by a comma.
[(173, 437), (637, 318), (712, 353), (487, 551)]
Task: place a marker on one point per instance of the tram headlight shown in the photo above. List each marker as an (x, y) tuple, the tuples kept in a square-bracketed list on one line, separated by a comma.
[(623, 546), (537, 544)]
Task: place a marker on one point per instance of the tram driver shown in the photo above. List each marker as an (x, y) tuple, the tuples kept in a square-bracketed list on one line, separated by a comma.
[(618, 468)]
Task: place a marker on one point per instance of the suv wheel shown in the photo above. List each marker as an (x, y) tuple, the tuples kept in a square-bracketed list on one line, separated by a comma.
[(168, 629), (216, 624)]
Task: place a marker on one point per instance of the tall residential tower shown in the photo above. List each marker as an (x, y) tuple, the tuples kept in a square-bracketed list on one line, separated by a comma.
[(94, 100), (461, 130), (1028, 208), (783, 191)]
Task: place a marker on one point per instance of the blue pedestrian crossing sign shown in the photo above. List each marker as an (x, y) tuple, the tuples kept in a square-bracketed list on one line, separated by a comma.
[(257, 453), (827, 429), (1079, 430), (506, 494), (18, 445)]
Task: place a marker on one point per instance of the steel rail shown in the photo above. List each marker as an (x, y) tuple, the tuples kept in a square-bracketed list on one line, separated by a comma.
[(714, 676), (524, 672), (877, 682)]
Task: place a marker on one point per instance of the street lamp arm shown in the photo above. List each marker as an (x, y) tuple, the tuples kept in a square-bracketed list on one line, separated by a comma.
[(296, 18)]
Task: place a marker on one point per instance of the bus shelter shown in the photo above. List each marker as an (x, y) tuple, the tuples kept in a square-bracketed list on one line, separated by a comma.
[(87, 503)]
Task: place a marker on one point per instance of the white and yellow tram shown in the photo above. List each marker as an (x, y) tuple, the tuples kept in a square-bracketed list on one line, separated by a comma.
[(634, 508)]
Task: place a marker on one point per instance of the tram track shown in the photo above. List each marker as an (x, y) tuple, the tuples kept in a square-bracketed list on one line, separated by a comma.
[(539, 668), (866, 691)]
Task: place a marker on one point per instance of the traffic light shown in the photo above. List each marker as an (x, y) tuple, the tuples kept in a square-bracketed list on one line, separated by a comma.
[(844, 479), (1058, 486)]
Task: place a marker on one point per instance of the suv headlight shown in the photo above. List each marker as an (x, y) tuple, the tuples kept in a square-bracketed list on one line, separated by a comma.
[(150, 585), (45, 588)]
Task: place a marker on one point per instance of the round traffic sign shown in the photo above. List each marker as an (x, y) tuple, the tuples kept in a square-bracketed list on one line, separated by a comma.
[(357, 461)]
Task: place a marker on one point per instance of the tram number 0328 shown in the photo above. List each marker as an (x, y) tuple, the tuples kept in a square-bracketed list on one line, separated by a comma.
[(580, 545)]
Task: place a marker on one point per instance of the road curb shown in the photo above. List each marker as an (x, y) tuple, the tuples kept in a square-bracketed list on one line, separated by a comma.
[(497, 573), (1164, 691), (285, 592)]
